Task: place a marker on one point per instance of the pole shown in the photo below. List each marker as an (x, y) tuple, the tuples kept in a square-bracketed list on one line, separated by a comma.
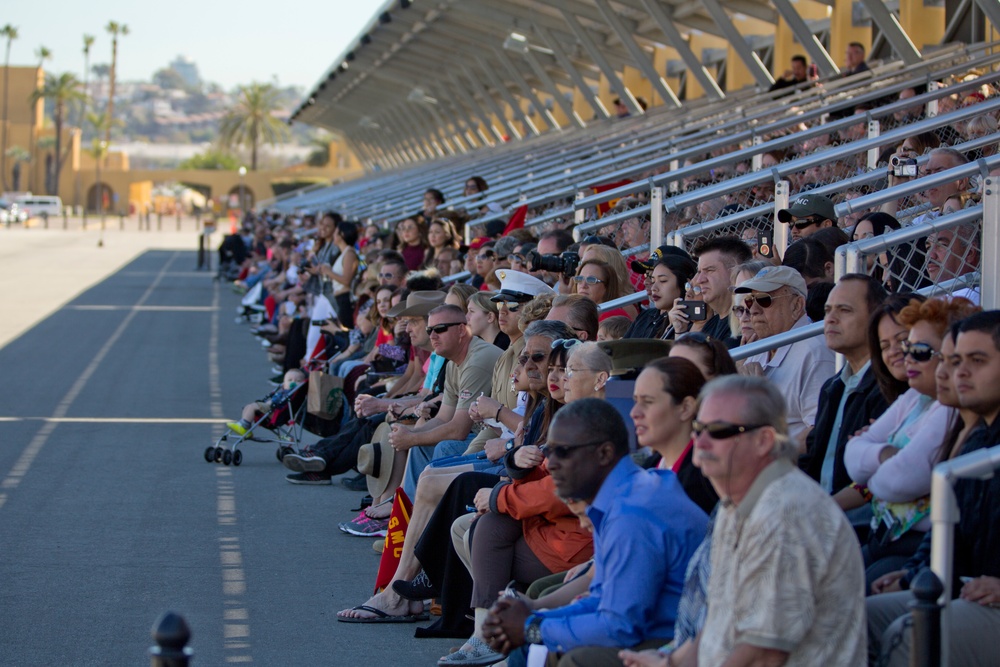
[(925, 649)]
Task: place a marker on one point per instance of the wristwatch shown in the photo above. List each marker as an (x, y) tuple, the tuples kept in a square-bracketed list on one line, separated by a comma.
[(533, 630), (509, 446)]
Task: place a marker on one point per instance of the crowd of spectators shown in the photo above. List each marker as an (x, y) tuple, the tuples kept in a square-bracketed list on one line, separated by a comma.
[(768, 511)]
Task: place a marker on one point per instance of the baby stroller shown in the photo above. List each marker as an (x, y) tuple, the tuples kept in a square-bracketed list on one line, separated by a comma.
[(283, 423)]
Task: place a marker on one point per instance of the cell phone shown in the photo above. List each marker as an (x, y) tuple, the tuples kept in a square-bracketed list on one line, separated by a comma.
[(696, 310), (319, 323), (813, 71), (764, 248)]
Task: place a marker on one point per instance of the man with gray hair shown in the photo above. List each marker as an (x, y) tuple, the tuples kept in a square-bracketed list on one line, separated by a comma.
[(787, 581), (776, 300)]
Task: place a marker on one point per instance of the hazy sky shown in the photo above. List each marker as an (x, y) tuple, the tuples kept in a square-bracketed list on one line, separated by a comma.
[(231, 42)]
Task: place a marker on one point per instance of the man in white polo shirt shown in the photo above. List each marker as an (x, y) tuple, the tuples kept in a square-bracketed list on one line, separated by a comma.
[(776, 297)]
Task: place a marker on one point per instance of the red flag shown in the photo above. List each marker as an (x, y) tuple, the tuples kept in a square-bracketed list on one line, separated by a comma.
[(517, 219), (399, 520), (607, 206)]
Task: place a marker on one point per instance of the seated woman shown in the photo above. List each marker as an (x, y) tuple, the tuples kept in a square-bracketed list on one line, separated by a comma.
[(522, 531), (483, 316), (665, 279), (596, 280), (892, 462), (711, 356), (411, 242), (385, 298), (588, 369), (441, 237)]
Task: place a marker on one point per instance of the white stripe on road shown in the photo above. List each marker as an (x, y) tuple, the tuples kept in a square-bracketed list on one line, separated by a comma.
[(167, 309), (23, 463)]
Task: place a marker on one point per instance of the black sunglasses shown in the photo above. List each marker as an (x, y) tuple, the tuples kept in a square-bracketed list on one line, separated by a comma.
[(565, 451), (808, 222), (722, 430), (441, 328), (763, 300), (919, 352), (537, 357)]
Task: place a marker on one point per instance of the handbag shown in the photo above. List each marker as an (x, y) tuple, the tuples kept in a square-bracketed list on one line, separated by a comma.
[(326, 395)]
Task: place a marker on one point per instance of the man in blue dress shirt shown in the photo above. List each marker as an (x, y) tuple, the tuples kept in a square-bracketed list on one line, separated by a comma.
[(645, 531)]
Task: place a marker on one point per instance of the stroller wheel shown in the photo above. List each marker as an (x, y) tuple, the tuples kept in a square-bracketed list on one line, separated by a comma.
[(218, 454), (227, 457), (210, 454), (237, 457)]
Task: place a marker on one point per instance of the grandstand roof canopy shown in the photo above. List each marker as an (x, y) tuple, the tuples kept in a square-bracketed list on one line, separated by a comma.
[(437, 77)]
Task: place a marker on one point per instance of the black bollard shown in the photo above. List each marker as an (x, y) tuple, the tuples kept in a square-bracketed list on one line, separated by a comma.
[(925, 647), (65, 219), (121, 221), (159, 222), (171, 634), (201, 251), (45, 219)]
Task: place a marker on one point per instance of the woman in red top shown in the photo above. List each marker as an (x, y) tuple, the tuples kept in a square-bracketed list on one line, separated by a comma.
[(411, 242), (599, 282)]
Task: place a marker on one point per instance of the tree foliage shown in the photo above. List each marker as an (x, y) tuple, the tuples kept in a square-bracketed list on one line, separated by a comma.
[(64, 93), (251, 120), (212, 159)]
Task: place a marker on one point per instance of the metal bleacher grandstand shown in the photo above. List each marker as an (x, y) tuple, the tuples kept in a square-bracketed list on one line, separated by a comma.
[(418, 123)]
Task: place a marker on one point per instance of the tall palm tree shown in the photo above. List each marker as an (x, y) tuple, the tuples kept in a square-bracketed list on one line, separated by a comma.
[(88, 41), (43, 53), (114, 29), (9, 33), (64, 93), (251, 121)]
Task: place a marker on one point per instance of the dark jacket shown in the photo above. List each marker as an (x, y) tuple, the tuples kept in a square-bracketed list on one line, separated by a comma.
[(650, 323), (977, 536), (865, 404)]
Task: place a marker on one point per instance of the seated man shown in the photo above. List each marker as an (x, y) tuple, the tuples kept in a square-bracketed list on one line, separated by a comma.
[(713, 284), (787, 583), (952, 253), (776, 297), (808, 214), (645, 531), (468, 376), (851, 399), (975, 615)]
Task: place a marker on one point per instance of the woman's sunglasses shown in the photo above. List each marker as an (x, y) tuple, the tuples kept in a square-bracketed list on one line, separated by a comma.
[(722, 430), (590, 280), (565, 343), (919, 352)]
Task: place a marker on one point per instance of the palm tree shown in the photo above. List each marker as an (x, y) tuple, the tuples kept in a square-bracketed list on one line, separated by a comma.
[(64, 93), (17, 155), (88, 41), (8, 32), (43, 53), (251, 120), (114, 29)]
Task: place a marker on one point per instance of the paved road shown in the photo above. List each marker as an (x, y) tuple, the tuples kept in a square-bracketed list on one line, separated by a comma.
[(109, 514)]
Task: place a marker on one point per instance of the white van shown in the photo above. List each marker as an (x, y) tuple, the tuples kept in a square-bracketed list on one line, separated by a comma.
[(39, 206)]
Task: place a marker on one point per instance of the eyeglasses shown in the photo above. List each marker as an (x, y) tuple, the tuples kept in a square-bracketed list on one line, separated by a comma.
[(565, 343), (722, 430), (919, 352), (763, 300), (570, 372), (741, 311), (441, 328), (808, 222), (565, 451), (511, 306), (537, 357), (388, 276), (590, 280)]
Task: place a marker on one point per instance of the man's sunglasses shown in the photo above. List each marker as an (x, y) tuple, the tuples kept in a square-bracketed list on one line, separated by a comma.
[(565, 451), (537, 357), (722, 430), (919, 352), (804, 224), (763, 300), (441, 328)]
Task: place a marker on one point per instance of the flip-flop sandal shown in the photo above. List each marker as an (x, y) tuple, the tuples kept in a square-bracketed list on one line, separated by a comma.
[(382, 617)]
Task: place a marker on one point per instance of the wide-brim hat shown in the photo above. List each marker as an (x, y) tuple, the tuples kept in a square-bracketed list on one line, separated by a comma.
[(418, 304), (628, 355), (375, 461), (519, 286)]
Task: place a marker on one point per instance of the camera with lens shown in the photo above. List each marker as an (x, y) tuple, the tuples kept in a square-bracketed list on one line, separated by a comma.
[(565, 263), (903, 166)]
